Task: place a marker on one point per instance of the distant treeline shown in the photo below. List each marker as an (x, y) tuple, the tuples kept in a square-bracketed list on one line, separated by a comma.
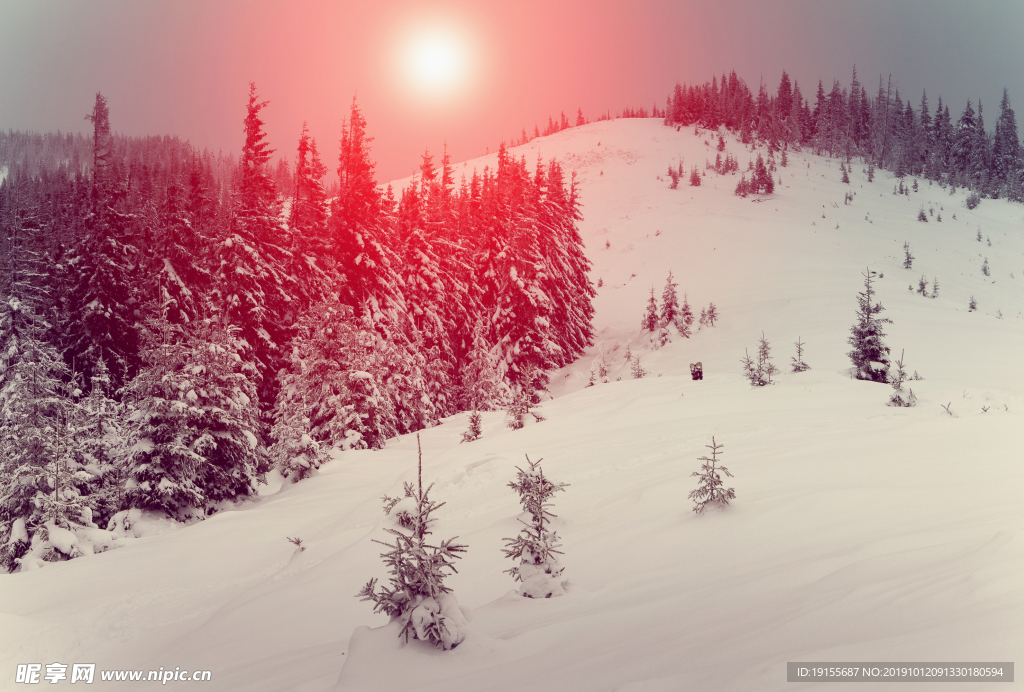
[(883, 130)]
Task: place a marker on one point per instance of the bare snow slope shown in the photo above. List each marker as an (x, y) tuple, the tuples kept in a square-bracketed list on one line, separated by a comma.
[(859, 532)]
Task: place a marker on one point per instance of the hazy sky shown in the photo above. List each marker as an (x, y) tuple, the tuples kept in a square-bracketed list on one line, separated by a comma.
[(183, 66)]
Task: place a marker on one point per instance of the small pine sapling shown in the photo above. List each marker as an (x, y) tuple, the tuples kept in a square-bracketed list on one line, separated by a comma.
[(711, 490), (476, 423), (935, 287), (636, 369), (922, 285), (921, 216), (694, 177), (972, 305), (536, 547), (908, 259), (711, 315), (798, 360), (765, 367), (896, 379), (516, 412), (846, 176), (418, 597), (984, 267), (750, 370)]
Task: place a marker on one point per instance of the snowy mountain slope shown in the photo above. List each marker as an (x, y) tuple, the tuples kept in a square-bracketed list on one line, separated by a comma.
[(860, 532)]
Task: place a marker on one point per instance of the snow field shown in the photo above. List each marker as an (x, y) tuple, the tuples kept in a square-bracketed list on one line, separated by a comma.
[(859, 532)]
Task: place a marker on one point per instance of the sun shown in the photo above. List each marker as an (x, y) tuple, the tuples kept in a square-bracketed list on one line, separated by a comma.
[(436, 62)]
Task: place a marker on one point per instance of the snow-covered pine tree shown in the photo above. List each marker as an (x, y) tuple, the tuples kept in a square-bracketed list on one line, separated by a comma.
[(763, 183), (650, 321), (481, 378), (97, 424), (105, 288), (475, 427), (536, 547), (333, 387), (669, 303), (252, 280), (508, 270), (750, 372), (685, 315), (34, 441), (711, 490), (417, 597), (869, 354), (308, 213), (764, 368), (637, 370), (358, 231), (566, 279), (193, 430), (798, 360), (908, 259), (708, 315)]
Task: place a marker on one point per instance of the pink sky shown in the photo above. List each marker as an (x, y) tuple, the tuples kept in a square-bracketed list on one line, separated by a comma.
[(182, 66)]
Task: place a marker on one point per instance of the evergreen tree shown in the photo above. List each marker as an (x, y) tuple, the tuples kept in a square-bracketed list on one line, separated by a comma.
[(1006, 151), (899, 397), (475, 427), (105, 294), (193, 430), (535, 549), (685, 314), (480, 380), (651, 322), (962, 151), (417, 597), (358, 230), (670, 310), (336, 387), (253, 283), (711, 490), (869, 354), (308, 213), (97, 426), (798, 360), (33, 436)]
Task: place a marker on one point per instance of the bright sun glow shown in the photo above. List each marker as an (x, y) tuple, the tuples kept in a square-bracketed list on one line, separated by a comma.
[(436, 62)]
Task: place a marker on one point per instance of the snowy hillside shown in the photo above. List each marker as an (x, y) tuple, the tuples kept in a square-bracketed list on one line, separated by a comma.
[(859, 532)]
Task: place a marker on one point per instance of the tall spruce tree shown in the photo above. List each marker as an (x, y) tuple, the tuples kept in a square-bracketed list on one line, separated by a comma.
[(253, 286), (1006, 149)]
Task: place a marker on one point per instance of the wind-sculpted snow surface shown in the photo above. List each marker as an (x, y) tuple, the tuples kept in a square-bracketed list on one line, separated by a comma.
[(859, 531)]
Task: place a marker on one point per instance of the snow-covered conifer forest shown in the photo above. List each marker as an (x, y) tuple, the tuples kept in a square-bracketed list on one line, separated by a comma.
[(211, 367)]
